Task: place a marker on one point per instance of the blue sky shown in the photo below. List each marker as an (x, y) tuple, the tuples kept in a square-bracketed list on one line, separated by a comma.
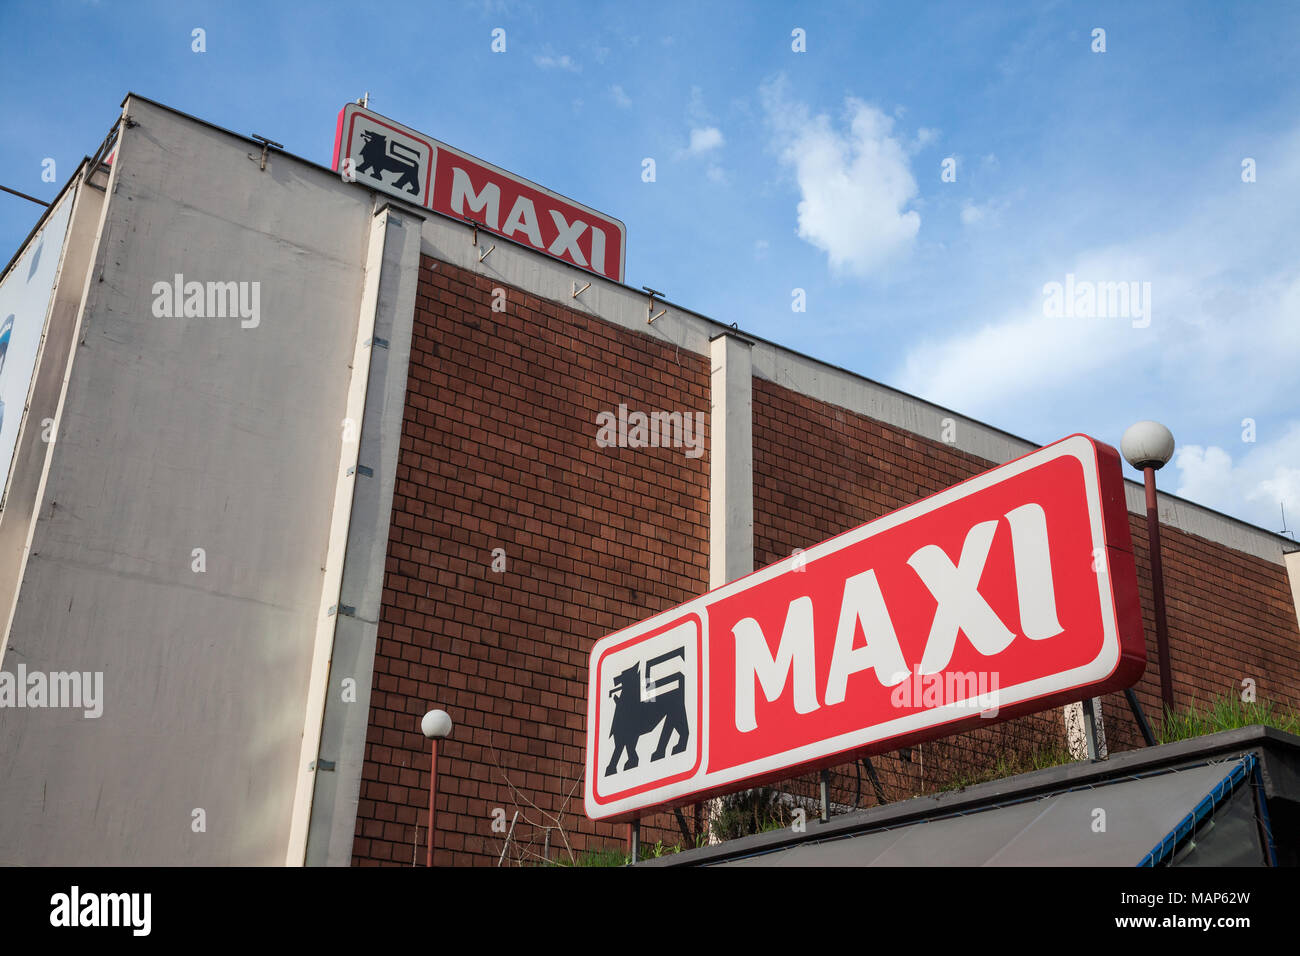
[(822, 170)]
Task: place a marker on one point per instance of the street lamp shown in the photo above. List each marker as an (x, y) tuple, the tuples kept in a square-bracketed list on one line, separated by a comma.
[(436, 725), (1148, 446)]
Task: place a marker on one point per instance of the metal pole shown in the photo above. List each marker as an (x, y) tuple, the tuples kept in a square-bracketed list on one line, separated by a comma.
[(634, 839), (826, 796), (875, 781), (39, 202), (433, 796), (1140, 716), (1158, 590), (1090, 728)]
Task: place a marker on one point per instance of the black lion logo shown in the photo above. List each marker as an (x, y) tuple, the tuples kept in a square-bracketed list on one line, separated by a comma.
[(377, 160), (635, 716)]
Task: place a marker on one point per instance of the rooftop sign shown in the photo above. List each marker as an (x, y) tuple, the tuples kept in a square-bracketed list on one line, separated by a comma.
[(387, 156), (1010, 593)]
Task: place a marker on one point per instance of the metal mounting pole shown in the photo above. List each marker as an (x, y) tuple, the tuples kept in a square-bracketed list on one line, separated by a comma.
[(681, 825), (1140, 716), (875, 781), (433, 798), (1090, 728), (826, 796), (39, 202), (266, 146), (634, 839), (1158, 590), (650, 314)]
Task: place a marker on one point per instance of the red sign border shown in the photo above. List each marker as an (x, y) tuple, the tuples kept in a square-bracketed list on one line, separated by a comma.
[(1124, 606), (352, 110)]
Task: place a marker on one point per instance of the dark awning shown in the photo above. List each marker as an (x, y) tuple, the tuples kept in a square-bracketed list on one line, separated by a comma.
[(1148, 819), (1228, 798)]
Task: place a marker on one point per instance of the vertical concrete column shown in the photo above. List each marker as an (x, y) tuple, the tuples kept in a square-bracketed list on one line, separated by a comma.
[(334, 735), (731, 472), (731, 459)]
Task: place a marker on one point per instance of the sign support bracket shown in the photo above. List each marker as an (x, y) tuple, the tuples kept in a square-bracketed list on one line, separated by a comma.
[(266, 146), (1140, 716), (881, 799), (650, 315), (681, 825)]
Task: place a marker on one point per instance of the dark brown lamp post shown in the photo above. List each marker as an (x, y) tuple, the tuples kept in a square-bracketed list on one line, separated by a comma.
[(1148, 446), (436, 725)]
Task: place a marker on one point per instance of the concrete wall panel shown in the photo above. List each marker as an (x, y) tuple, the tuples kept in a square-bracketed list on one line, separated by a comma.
[(181, 433)]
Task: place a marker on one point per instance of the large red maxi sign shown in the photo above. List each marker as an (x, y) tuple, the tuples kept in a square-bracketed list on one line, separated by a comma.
[(1012, 592), (388, 156)]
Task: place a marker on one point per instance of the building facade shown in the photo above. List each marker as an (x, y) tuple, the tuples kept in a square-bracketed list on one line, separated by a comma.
[(400, 473)]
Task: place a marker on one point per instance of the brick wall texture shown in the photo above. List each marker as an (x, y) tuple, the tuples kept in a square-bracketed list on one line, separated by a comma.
[(499, 451)]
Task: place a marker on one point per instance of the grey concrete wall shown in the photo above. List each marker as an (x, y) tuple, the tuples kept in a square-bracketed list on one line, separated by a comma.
[(176, 434)]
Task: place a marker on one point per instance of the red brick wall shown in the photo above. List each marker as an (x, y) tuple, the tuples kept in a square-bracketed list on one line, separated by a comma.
[(499, 450)]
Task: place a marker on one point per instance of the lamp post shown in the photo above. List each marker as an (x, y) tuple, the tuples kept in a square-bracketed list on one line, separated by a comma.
[(1148, 446), (436, 725)]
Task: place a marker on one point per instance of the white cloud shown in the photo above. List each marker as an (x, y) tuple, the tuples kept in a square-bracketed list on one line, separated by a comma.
[(697, 114), (971, 213), (855, 182), (1206, 473), (621, 99), (704, 140), (975, 214), (924, 137), (1025, 354), (551, 62), (1256, 488), (705, 137), (1224, 322)]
